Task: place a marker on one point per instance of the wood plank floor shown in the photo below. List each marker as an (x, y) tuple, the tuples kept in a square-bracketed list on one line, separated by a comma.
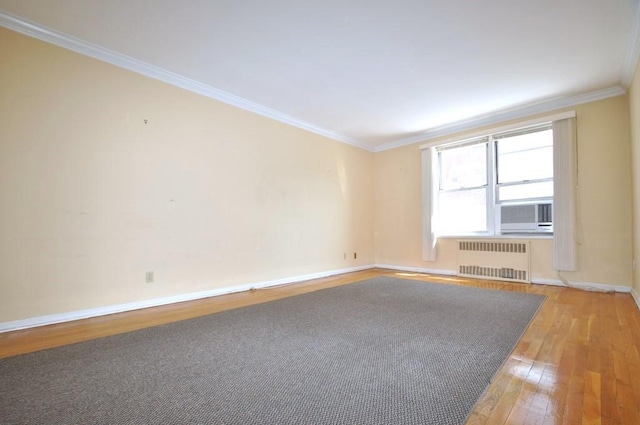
[(577, 363)]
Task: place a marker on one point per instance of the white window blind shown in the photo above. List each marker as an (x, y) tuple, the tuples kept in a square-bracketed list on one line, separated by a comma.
[(429, 172), (565, 187)]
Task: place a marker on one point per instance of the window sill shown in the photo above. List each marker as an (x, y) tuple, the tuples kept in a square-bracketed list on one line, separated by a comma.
[(509, 236)]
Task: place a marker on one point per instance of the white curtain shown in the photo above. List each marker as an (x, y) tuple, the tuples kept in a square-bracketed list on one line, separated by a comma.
[(429, 172), (564, 196)]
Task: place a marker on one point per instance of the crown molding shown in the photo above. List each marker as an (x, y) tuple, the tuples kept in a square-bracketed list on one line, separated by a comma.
[(484, 131), (633, 52), (105, 55), (505, 115), (97, 52)]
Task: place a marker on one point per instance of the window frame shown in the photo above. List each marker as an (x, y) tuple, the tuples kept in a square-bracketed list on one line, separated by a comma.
[(493, 202), (496, 137)]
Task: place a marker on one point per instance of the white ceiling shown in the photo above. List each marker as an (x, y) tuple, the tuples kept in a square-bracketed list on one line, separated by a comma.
[(368, 72)]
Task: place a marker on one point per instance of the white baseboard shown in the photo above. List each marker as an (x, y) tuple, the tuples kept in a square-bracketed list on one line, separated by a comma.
[(102, 311), (636, 297), (416, 269), (119, 308), (539, 281), (583, 285)]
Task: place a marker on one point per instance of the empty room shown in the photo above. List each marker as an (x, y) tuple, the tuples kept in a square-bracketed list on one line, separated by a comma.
[(245, 212)]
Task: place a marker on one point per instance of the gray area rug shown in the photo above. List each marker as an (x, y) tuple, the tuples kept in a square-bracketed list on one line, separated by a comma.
[(382, 351)]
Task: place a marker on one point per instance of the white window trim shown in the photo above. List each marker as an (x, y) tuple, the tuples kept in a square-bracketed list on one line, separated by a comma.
[(429, 205), (491, 186), (496, 185)]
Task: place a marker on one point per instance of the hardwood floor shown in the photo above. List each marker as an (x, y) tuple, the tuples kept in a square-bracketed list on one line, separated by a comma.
[(577, 363)]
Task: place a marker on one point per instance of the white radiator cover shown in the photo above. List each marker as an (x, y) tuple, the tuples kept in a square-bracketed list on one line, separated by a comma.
[(495, 259)]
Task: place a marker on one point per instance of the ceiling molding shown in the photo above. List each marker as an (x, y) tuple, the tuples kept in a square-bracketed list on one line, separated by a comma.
[(97, 52), (505, 115), (89, 49), (485, 132), (633, 52)]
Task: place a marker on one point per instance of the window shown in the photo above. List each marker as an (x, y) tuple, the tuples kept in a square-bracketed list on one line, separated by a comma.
[(462, 193), (524, 165), (476, 177)]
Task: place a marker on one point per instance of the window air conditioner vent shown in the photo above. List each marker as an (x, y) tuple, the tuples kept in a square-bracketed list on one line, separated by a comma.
[(526, 218)]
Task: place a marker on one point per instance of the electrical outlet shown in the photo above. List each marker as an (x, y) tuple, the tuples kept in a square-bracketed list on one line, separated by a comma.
[(355, 255), (148, 278)]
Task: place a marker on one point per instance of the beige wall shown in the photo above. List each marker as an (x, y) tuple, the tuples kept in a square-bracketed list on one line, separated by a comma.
[(204, 194), (634, 113), (604, 220), (209, 196)]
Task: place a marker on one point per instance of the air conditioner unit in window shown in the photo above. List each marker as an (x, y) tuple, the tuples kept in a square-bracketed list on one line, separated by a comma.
[(526, 218)]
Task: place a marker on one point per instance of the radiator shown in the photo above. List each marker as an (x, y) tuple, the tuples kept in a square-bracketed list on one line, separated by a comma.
[(495, 260)]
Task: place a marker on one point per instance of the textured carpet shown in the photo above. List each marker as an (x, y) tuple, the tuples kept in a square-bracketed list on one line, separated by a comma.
[(382, 351)]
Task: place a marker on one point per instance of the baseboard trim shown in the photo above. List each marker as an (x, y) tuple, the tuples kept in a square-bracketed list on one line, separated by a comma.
[(416, 269), (583, 285), (636, 297), (538, 281), (156, 302)]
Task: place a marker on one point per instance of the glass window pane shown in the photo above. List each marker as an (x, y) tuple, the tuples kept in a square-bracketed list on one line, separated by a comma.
[(525, 191), (463, 167), (462, 211), (525, 157)]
